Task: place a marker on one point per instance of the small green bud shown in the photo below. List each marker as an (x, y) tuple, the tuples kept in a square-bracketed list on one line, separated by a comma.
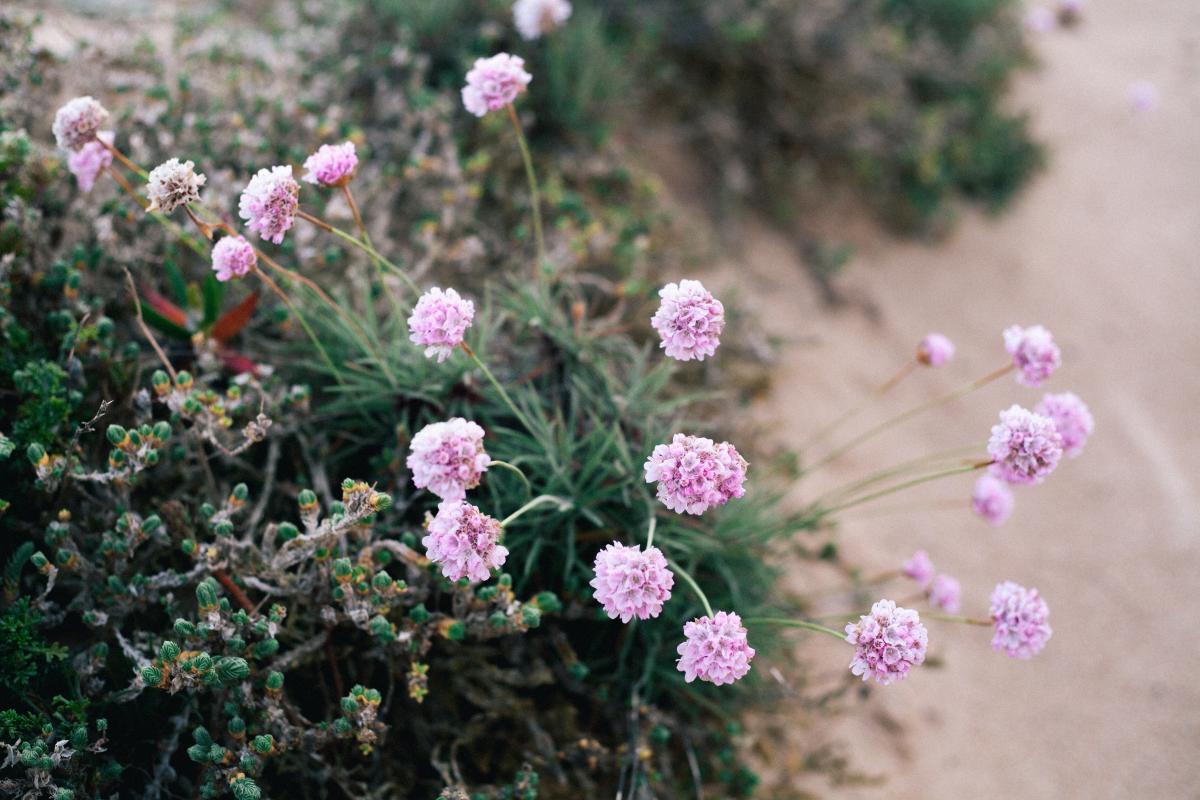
[(531, 617), (342, 726), (419, 614), (237, 726), (207, 510), (456, 631), (188, 546), (274, 680), (241, 492), (266, 648), (307, 499), (202, 662), (79, 737), (498, 619), (231, 669), (505, 580), (198, 753), (168, 652), (223, 528), (184, 629), (548, 602), (578, 670), (660, 734), (39, 560), (35, 453), (287, 531), (244, 788), (152, 676), (206, 596), (151, 523), (116, 434), (349, 705)]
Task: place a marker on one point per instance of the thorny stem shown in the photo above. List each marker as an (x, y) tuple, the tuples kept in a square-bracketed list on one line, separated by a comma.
[(912, 412), (503, 394), (795, 623), (534, 195), (862, 405), (361, 245), (902, 486), (690, 581), (957, 618), (397, 308), (516, 469), (541, 500)]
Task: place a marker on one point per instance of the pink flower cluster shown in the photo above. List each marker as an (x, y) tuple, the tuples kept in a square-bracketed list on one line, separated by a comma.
[(944, 592), (888, 643), (689, 320), (331, 165), (439, 321), (536, 17), (78, 122), (494, 83), (1025, 447), (90, 160), (1019, 616), (992, 499), (448, 458), (631, 582), (269, 203), (935, 350), (1072, 420), (715, 649), (919, 567), (233, 257), (1035, 355), (464, 541), (694, 474)]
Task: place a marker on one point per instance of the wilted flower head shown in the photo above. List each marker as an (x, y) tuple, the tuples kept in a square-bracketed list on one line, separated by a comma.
[(935, 350), (448, 458), (1020, 618), (535, 17), (331, 165), (233, 257), (494, 83), (464, 541), (78, 122), (889, 642), (944, 592), (173, 184), (439, 321), (715, 649), (630, 582), (90, 160), (1024, 446), (694, 474), (1071, 418), (1035, 355), (269, 203), (992, 499), (689, 320), (919, 567)]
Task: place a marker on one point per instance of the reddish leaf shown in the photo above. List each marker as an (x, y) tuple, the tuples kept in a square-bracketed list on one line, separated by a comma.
[(238, 362), (233, 320), (165, 308)]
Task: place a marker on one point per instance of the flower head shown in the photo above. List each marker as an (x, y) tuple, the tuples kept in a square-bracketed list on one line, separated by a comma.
[(233, 257), (1020, 618), (935, 350), (464, 541), (919, 567), (1035, 355), (269, 203), (173, 184), (944, 592), (331, 165), (494, 83), (90, 160), (888, 643), (631, 582), (535, 17), (992, 499), (694, 474), (1024, 446), (78, 122), (689, 320), (448, 458), (439, 321), (715, 649), (1071, 418)]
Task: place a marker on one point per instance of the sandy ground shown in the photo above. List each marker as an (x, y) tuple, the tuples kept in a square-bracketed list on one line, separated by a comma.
[(1102, 249)]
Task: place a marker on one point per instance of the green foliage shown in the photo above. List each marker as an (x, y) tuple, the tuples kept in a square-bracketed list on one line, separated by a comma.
[(24, 652)]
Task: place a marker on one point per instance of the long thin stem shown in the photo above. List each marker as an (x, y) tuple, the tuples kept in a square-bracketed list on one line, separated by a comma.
[(690, 581), (902, 486), (912, 412), (652, 527), (861, 406), (513, 468), (303, 322), (361, 245), (795, 623), (541, 500), (397, 309), (124, 159), (534, 195), (503, 394), (924, 462), (957, 618), (199, 248)]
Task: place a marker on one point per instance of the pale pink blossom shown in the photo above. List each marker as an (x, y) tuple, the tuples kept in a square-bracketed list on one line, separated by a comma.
[(918, 567), (992, 499), (173, 184), (694, 474), (448, 458), (233, 257), (888, 643), (1143, 96), (1035, 355), (331, 165), (536, 17), (439, 321), (78, 122), (1039, 20), (464, 541), (1020, 619), (935, 350), (715, 649), (631, 582), (269, 203), (689, 321), (89, 161), (1025, 447), (494, 83), (1071, 418), (944, 592)]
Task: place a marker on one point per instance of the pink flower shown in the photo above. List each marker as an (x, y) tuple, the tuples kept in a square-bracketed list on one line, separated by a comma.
[(888, 643), (944, 593), (494, 83), (935, 350), (331, 165), (992, 499), (1024, 446), (1035, 355), (233, 257), (439, 321), (269, 203), (1071, 418), (1020, 618), (715, 649), (448, 458), (173, 184), (1039, 20), (535, 17), (631, 583), (78, 122), (689, 320), (90, 160), (464, 541), (694, 474), (919, 567), (1143, 96)]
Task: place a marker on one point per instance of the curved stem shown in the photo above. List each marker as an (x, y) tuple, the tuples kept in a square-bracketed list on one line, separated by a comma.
[(563, 505), (795, 623), (124, 159), (303, 322), (690, 581), (896, 471), (397, 309), (361, 245), (503, 394), (957, 618), (534, 195), (861, 406), (516, 469), (902, 486), (653, 526)]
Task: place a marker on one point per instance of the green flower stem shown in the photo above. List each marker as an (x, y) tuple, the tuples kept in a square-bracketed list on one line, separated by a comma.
[(652, 527), (397, 308), (902, 486), (534, 195), (124, 159), (361, 245), (861, 406), (503, 394), (303, 323), (690, 581), (796, 623), (563, 505), (957, 618), (516, 469), (924, 462)]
